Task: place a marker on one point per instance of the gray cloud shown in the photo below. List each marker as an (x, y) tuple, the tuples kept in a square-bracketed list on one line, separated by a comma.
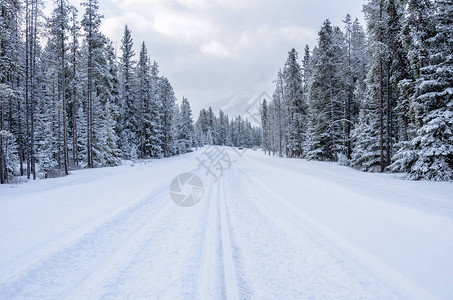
[(222, 52)]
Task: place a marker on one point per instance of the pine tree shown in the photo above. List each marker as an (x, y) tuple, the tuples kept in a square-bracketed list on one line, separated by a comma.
[(9, 91), (74, 83), (359, 68), (265, 124), (105, 106), (294, 98), (143, 96), (32, 11), (129, 109), (153, 135), (212, 127), (327, 97), (430, 155), (58, 33), (202, 127), (91, 22), (366, 154), (110, 153), (185, 127), (377, 87), (167, 99), (416, 30), (280, 115)]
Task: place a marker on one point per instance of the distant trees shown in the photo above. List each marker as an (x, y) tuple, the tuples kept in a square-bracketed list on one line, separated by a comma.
[(223, 131), (377, 101)]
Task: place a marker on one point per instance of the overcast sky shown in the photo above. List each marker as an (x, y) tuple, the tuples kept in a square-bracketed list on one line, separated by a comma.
[(222, 53)]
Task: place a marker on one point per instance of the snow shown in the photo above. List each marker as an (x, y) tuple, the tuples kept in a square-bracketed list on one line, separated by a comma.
[(269, 228)]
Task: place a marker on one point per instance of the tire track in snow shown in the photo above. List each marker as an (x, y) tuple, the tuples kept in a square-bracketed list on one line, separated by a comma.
[(119, 259), (218, 278), (137, 271), (210, 275), (391, 278), (230, 281), (67, 266)]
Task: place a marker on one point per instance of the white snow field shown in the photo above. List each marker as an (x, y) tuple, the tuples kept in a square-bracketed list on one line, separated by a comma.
[(269, 228)]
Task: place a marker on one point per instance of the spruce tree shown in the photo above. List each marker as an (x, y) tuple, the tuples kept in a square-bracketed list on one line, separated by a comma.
[(129, 124), (296, 105), (167, 103), (327, 96), (431, 150), (91, 22), (265, 125), (185, 127)]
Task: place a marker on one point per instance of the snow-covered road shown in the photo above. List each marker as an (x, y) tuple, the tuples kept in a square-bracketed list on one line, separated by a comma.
[(269, 228)]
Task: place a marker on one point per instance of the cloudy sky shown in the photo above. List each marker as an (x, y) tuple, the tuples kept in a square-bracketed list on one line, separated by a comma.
[(222, 53)]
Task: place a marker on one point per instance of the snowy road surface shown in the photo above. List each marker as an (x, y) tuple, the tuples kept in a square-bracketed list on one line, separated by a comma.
[(269, 228)]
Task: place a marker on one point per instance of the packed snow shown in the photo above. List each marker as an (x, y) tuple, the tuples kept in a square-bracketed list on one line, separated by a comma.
[(266, 228)]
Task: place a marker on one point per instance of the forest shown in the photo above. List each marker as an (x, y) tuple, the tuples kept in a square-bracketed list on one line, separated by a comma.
[(68, 102), (377, 99)]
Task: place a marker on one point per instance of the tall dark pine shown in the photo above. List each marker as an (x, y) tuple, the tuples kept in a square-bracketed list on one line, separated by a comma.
[(91, 22), (430, 153), (167, 99), (128, 140), (326, 137), (265, 125), (143, 97), (61, 23), (185, 127), (349, 88), (294, 98), (74, 81), (279, 113), (368, 155), (31, 44), (10, 119)]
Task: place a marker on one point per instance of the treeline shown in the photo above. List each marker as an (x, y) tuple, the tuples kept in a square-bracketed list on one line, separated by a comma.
[(220, 130), (378, 100), (72, 103)]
